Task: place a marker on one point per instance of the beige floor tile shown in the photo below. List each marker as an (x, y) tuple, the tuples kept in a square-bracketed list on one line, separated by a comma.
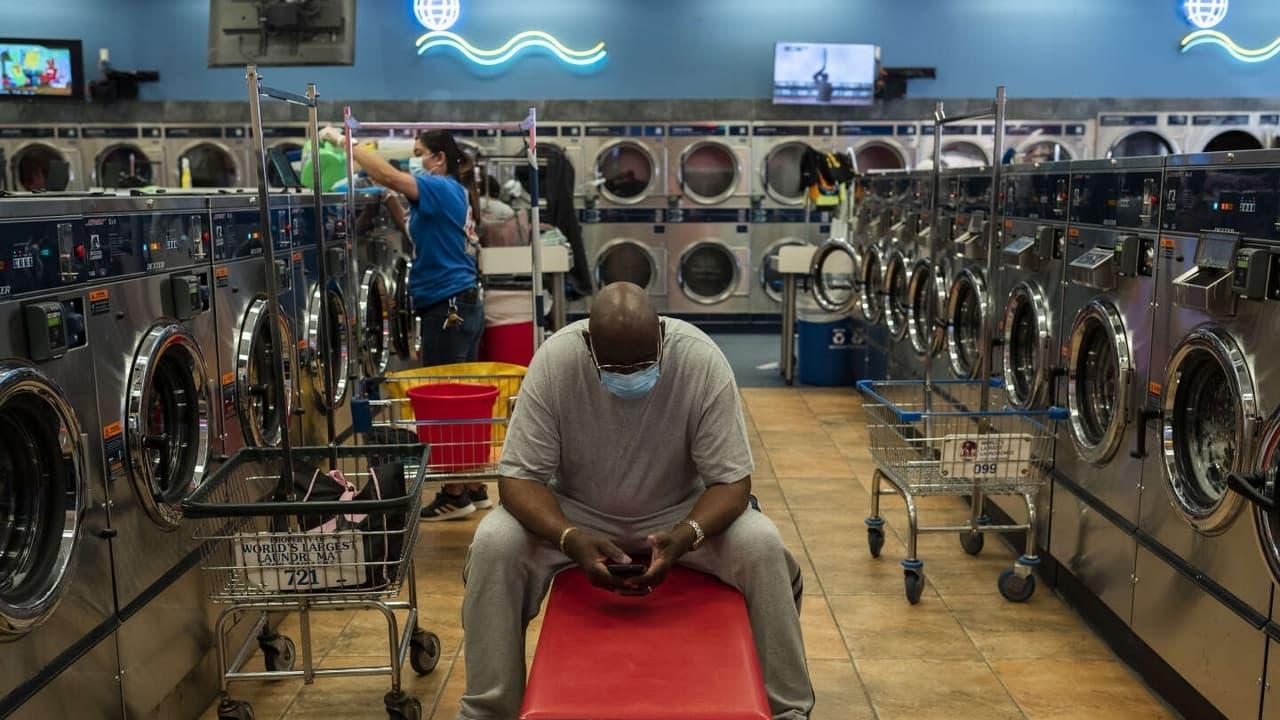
[(361, 697), (838, 691), (269, 701), (819, 493), (816, 442), (832, 402), (440, 614), (887, 627), (822, 639), (800, 462), (1043, 627), (1100, 690), (446, 707), (921, 689), (327, 627)]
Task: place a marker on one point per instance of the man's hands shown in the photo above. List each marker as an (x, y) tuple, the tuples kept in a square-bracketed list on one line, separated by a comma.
[(591, 551), (667, 548)]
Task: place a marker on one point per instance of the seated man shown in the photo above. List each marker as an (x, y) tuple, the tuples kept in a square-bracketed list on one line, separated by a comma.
[(628, 437)]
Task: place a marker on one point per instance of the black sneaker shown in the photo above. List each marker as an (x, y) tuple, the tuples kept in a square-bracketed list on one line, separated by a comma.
[(448, 507), (480, 498)]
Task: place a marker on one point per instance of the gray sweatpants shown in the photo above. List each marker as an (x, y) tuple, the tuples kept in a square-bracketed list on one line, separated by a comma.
[(509, 570)]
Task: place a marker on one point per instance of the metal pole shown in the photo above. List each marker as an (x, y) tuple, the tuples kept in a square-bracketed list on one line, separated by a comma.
[(254, 81), (788, 360), (348, 141), (559, 313), (326, 341), (535, 222), (931, 302), (984, 362)]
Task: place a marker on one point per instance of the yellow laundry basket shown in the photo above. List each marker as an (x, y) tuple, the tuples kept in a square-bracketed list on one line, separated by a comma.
[(504, 376)]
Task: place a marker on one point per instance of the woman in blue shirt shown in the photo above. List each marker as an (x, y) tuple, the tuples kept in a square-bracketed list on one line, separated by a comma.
[(444, 280)]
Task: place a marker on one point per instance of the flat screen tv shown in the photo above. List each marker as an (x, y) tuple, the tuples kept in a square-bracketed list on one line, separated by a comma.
[(824, 73), (40, 69)]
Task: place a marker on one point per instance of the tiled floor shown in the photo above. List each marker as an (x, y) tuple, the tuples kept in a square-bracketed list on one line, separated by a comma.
[(963, 652)]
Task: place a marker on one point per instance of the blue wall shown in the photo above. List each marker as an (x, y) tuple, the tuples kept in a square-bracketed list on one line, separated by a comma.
[(704, 48)]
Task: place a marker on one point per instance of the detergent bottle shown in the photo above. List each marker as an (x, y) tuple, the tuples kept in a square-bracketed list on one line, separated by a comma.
[(185, 182)]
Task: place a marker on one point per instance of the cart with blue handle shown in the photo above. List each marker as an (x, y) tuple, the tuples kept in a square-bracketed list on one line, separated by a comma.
[(933, 439)]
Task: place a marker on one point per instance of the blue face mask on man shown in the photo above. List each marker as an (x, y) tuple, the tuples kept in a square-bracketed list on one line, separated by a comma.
[(633, 385)]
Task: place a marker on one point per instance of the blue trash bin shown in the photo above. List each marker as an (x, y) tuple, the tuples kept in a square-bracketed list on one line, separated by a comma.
[(832, 352)]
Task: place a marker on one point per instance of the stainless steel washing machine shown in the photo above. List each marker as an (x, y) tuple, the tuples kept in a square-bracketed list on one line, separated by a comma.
[(628, 244), (910, 272), (965, 144), (250, 406), (1261, 481), (965, 206), (377, 241), (217, 155), (1228, 131), (39, 158), (154, 335), (709, 264), (710, 164), (119, 154), (331, 307), (627, 165), (1140, 134), (57, 609), (880, 146), (1214, 332)]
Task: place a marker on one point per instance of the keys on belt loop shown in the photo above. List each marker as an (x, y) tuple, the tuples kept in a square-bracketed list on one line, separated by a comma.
[(454, 320)]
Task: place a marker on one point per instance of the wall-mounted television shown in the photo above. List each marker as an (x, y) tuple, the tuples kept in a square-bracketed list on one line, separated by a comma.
[(824, 73), (41, 69)]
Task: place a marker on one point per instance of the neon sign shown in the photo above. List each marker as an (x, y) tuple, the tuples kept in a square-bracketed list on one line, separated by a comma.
[(1205, 15), (438, 16)]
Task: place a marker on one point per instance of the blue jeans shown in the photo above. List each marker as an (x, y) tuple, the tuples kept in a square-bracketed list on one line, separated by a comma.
[(455, 345)]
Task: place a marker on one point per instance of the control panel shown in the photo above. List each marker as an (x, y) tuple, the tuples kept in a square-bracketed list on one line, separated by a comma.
[(1245, 201), (42, 255), (1037, 196), (1117, 199), (237, 234), (130, 244)]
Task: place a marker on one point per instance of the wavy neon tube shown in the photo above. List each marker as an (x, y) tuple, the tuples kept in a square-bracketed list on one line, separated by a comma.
[(1214, 37), (509, 49)]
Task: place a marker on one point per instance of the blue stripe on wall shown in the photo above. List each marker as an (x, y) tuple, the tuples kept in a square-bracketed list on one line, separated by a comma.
[(704, 48)]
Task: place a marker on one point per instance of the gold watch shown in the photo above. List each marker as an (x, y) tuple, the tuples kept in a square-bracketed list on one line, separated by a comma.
[(698, 535)]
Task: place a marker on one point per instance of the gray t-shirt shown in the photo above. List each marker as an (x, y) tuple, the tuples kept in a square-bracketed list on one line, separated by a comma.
[(628, 459)]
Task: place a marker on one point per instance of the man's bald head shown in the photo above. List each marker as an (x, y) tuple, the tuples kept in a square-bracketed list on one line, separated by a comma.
[(623, 325)]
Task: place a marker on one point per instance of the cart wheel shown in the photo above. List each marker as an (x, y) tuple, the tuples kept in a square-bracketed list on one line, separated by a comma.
[(424, 651), (278, 652), (914, 582), (875, 540), (401, 706), (971, 542), (1016, 588), (230, 709)]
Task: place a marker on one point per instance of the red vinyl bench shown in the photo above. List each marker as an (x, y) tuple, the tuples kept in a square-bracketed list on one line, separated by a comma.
[(685, 651)]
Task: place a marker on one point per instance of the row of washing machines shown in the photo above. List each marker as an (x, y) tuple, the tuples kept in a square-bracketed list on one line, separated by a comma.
[(137, 356), (1137, 293)]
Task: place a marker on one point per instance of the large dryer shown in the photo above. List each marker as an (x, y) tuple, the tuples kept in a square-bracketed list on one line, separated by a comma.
[(122, 155), (41, 158), (1122, 135), (627, 165), (1057, 141), (880, 146), (1212, 385), (1226, 131), (152, 324), (215, 155), (250, 407), (57, 614), (965, 144)]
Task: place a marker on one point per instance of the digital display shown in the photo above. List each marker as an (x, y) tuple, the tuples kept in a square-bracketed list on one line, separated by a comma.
[(824, 74), (40, 69)]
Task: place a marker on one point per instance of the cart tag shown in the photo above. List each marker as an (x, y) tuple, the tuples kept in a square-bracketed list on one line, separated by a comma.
[(998, 457), (301, 562), (99, 301)]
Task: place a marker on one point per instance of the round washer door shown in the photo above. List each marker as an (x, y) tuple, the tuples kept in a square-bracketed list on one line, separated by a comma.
[(44, 493), (874, 156), (336, 325), (1267, 520), (835, 275), (626, 260), (627, 171), (708, 172), (1233, 140), (1039, 151), (771, 281), (1028, 346), (963, 154), (897, 301), (167, 416), (1139, 144), (781, 172), (927, 334), (1210, 415), (122, 161), (405, 336), (708, 272), (1099, 377), (41, 168), (212, 165), (375, 323), (256, 402), (966, 308), (871, 300)]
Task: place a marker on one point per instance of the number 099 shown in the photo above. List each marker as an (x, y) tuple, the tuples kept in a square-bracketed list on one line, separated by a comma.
[(986, 468)]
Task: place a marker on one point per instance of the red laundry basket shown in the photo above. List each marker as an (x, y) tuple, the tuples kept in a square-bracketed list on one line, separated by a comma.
[(461, 445), (511, 343)]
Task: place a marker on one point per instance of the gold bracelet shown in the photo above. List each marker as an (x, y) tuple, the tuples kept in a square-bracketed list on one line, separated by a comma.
[(564, 535)]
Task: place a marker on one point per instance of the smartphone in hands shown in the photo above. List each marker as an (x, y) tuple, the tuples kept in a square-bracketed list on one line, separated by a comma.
[(622, 571)]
